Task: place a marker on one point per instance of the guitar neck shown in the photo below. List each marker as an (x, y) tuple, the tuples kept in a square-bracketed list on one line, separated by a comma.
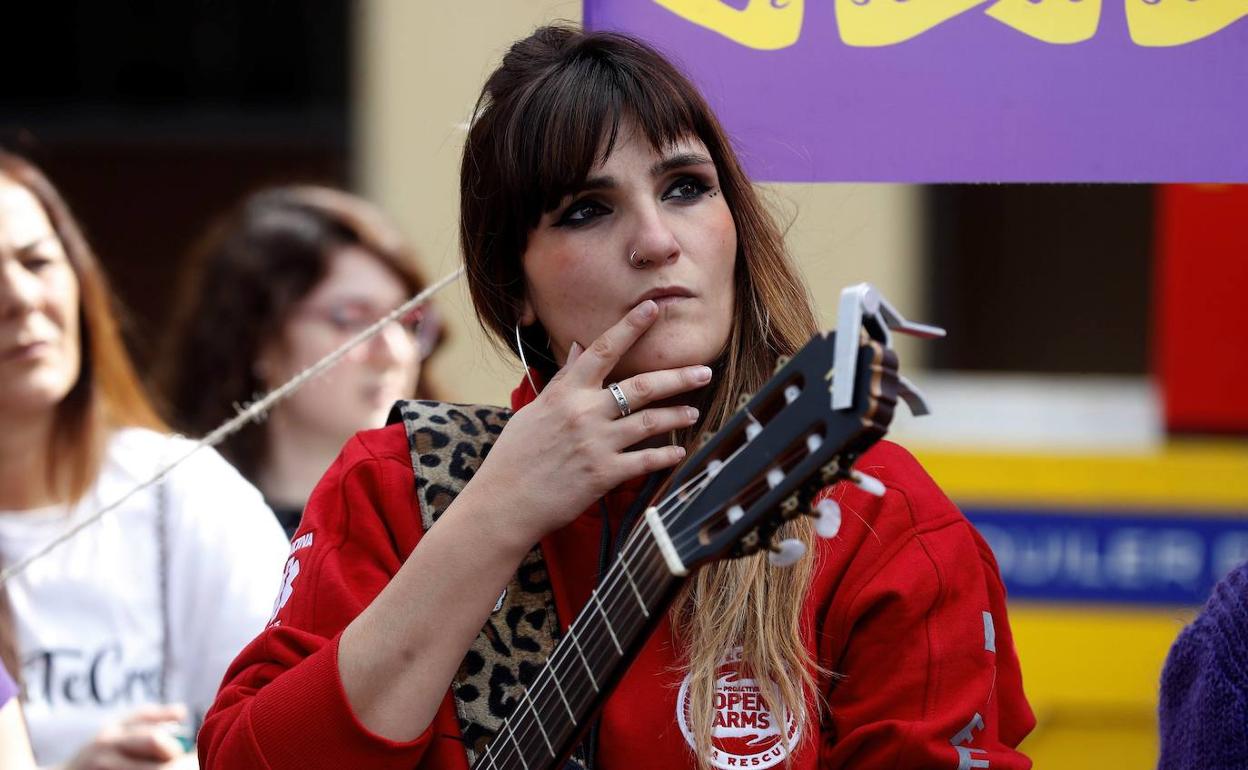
[(556, 709)]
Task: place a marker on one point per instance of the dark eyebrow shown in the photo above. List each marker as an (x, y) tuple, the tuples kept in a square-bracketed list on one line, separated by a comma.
[(607, 182), (678, 161)]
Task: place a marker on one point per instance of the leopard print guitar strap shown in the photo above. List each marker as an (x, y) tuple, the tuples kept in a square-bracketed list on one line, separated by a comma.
[(448, 443)]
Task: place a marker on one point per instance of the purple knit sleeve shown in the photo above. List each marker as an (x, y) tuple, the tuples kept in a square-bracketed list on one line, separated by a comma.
[(7, 686), (1203, 706)]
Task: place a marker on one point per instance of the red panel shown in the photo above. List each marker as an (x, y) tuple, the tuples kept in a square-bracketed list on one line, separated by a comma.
[(1202, 301)]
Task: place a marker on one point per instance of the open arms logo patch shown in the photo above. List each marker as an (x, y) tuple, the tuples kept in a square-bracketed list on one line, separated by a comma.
[(744, 731)]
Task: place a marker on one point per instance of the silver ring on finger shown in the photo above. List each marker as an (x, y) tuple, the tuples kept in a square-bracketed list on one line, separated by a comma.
[(620, 400)]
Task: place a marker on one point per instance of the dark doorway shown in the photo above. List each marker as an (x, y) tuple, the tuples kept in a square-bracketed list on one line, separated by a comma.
[(1041, 278)]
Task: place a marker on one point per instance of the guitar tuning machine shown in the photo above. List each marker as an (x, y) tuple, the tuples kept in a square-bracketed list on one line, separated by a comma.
[(869, 484), (830, 472), (786, 553), (827, 515), (790, 507), (833, 472)]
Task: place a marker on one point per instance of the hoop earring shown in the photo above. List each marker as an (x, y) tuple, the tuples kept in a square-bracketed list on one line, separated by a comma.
[(523, 362)]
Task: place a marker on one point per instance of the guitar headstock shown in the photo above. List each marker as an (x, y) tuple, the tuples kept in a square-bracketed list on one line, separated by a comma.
[(789, 440)]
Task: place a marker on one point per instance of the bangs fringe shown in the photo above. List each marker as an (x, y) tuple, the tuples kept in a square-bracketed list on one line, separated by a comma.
[(568, 121)]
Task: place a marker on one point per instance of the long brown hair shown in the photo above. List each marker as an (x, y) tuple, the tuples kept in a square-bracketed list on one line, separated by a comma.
[(538, 130), (107, 394), (246, 277)]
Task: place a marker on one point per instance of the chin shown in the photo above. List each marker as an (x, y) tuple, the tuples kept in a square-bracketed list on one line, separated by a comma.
[(31, 399), (668, 352), (382, 410)]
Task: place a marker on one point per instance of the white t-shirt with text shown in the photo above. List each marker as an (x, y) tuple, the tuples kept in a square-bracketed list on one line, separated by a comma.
[(88, 614)]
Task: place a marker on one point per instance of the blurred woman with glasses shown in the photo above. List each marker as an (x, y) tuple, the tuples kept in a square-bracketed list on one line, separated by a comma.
[(282, 281)]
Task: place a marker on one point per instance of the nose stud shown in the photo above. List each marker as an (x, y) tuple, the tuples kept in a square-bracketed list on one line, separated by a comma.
[(637, 262)]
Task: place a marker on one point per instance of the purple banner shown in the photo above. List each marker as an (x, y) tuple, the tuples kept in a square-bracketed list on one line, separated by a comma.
[(964, 90)]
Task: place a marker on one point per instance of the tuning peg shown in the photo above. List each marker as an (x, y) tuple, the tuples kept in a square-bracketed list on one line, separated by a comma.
[(869, 484), (786, 553), (774, 477), (827, 518)]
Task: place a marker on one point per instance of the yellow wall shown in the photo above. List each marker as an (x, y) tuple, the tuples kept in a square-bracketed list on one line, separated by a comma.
[(420, 68), (1091, 674)]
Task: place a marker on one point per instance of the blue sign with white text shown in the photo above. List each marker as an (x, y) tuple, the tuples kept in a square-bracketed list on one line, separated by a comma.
[(1103, 556)]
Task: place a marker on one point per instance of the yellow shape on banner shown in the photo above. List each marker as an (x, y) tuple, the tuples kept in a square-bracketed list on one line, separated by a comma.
[(764, 24), (1176, 22), (871, 23), (1053, 21)]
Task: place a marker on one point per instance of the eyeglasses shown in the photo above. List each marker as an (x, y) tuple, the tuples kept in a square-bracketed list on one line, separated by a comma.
[(422, 324)]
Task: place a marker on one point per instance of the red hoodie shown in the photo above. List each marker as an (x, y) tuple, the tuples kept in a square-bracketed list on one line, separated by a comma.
[(906, 606)]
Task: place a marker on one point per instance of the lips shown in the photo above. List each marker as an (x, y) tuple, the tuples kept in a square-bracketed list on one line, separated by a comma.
[(26, 351), (664, 295)]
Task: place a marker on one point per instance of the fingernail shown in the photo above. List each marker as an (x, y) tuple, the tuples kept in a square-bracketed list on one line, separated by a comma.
[(691, 412), (647, 308), (574, 351), (702, 374), (680, 451)]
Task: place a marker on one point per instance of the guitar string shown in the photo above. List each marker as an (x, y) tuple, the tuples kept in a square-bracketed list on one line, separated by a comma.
[(634, 543), (563, 651), (599, 643), (231, 426), (631, 548), (595, 646)]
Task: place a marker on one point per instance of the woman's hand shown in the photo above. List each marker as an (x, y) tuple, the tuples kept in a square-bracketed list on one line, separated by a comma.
[(572, 445), (140, 742)]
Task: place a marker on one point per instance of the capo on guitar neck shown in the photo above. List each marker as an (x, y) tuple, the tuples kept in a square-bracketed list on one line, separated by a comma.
[(863, 311)]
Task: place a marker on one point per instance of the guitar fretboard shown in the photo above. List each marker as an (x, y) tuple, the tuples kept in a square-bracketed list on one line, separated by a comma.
[(553, 712)]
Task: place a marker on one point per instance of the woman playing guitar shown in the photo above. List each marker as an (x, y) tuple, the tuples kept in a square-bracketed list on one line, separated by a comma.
[(613, 242)]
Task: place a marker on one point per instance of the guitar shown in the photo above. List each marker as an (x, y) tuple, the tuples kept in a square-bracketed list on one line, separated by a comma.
[(802, 431)]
